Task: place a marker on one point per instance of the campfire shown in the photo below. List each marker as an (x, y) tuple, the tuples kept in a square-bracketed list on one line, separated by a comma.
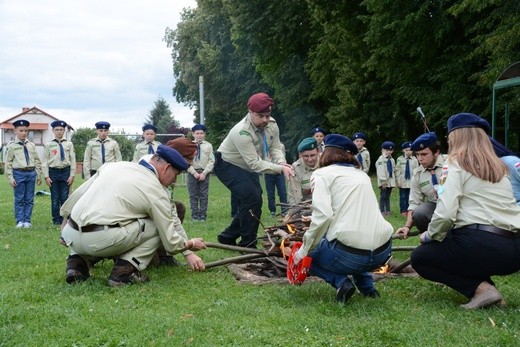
[(269, 263)]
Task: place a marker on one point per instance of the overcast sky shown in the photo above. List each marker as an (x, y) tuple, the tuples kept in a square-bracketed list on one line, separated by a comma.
[(88, 60)]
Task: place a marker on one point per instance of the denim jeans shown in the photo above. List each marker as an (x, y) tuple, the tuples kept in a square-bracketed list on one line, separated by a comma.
[(271, 182), (404, 196), (334, 265), (59, 191), (24, 195)]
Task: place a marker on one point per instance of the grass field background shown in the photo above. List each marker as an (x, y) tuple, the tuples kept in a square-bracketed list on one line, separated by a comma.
[(181, 308)]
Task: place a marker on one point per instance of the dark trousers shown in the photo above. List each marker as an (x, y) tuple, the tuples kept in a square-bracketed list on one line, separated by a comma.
[(198, 197), (277, 182), (245, 188), (384, 199), (404, 196), (422, 215), (59, 191), (467, 257)]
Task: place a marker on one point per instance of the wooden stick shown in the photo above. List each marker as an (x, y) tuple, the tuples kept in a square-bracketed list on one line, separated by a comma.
[(403, 248), (401, 266), (236, 248), (412, 233), (238, 259)]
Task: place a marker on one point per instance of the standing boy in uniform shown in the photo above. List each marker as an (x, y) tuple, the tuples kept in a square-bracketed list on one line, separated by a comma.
[(300, 184), (149, 145), (59, 167), (198, 174), (385, 167), (363, 156), (22, 169), (319, 134), (404, 167), (100, 150)]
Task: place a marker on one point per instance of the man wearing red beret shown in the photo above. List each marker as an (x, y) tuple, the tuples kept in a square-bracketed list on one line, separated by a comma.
[(251, 147)]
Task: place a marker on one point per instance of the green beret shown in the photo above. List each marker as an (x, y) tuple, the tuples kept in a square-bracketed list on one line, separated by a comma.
[(307, 144)]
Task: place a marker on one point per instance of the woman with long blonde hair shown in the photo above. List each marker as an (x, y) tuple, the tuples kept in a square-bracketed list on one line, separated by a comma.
[(473, 234)]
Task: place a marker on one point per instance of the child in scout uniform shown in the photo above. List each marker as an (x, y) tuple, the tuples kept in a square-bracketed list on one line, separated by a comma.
[(149, 145), (59, 167), (22, 169), (198, 174), (385, 167), (319, 134), (300, 184), (100, 150), (363, 155), (404, 167)]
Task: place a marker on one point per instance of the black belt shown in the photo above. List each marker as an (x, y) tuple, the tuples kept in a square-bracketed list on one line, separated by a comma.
[(60, 168), (91, 227), (24, 169), (363, 251), (493, 230)]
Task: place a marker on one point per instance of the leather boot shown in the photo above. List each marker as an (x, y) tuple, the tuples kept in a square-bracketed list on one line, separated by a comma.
[(123, 273), (485, 296), (77, 269)]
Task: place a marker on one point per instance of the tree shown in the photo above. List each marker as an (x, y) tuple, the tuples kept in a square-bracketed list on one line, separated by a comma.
[(80, 139), (161, 116)]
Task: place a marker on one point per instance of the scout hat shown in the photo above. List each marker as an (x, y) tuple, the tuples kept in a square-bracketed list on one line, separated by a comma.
[(388, 145), (199, 127), (172, 157), (260, 103), (467, 120), (424, 141), (21, 123), (149, 127), (102, 125), (58, 123), (307, 144), (340, 141)]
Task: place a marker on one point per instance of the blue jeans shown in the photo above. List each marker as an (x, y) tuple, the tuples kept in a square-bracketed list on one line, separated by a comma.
[(271, 182), (245, 188), (334, 265), (24, 195), (404, 196), (59, 191)]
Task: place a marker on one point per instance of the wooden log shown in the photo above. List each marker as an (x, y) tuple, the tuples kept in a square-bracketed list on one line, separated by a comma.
[(235, 248), (238, 259), (401, 266)]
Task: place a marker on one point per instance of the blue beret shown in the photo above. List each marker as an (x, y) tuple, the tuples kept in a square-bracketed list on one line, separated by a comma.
[(424, 141), (318, 130), (172, 157), (260, 103), (340, 141), (21, 123), (406, 144), (102, 125), (359, 135), (388, 145), (467, 120), (307, 144), (149, 127), (58, 123), (199, 127)]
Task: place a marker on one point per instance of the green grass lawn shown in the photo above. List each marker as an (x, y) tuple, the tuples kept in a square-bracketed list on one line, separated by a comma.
[(180, 308)]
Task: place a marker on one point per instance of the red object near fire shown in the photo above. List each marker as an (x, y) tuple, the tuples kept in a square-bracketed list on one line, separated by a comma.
[(296, 274)]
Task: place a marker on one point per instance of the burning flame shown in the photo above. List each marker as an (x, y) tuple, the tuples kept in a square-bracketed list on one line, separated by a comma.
[(382, 270), (291, 228)]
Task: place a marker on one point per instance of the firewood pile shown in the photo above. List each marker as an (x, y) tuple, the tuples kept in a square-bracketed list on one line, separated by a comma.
[(268, 264)]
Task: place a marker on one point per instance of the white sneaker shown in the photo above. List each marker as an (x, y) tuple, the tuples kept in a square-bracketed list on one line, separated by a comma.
[(26, 225), (19, 225)]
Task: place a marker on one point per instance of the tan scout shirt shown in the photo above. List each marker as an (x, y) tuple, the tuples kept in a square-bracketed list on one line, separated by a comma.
[(302, 183), (205, 161), (383, 176), (421, 189), (465, 199), (92, 159), (400, 170), (365, 154), (243, 147), (347, 210), (15, 158), (53, 157), (112, 198), (142, 149)]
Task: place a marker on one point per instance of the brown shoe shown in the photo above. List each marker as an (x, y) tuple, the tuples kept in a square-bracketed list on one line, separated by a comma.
[(77, 269), (486, 295), (125, 273)]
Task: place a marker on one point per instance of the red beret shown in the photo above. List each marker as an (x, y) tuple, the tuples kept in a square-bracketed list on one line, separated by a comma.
[(260, 103)]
